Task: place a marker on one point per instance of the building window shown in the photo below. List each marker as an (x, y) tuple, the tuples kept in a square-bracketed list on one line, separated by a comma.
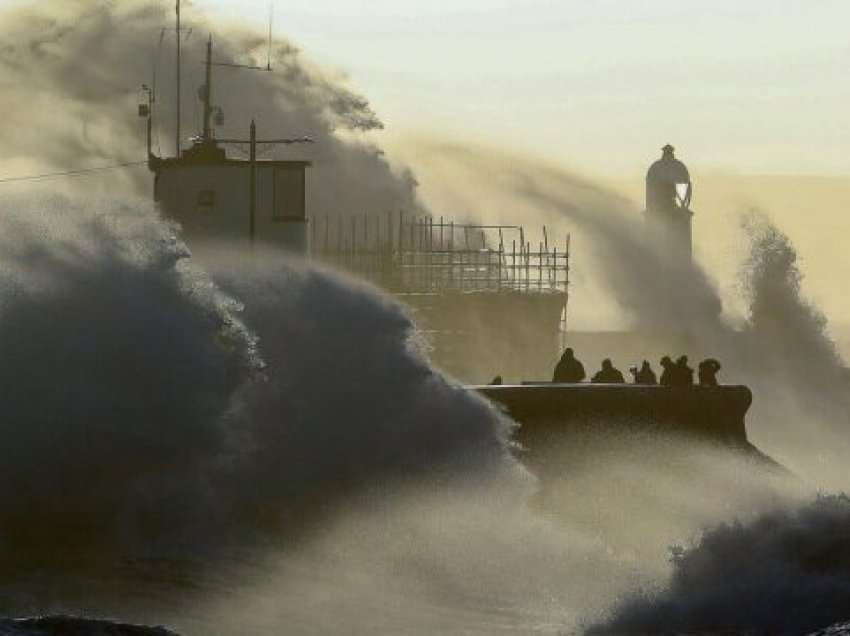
[(288, 194), (206, 199)]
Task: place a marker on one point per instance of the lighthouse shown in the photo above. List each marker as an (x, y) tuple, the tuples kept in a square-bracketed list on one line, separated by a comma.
[(668, 205)]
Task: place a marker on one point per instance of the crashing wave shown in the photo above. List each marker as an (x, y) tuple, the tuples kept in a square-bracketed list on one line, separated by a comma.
[(73, 626), (788, 572)]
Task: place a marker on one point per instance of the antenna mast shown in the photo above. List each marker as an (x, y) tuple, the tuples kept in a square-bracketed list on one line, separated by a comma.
[(208, 93), (271, 22), (177, 141)]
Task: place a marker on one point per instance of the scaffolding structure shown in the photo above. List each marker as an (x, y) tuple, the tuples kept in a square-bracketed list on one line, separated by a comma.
[(412, 254)]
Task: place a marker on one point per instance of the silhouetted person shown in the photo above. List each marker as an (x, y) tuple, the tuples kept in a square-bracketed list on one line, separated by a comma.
[(645, 375), (683, 375), (569, 370), (708, 372), (497, 381), (669, 371), (608, 374)]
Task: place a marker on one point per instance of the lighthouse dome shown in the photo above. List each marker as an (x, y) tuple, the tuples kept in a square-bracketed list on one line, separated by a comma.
[(668, 170), (668, 183)]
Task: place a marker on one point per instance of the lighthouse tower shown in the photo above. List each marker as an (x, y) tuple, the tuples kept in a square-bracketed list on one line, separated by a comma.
[(668, 201)]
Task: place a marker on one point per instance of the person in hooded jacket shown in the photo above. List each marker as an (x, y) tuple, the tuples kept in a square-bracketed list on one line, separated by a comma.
[(569, 369), (645, 375), (707, 372), (683, 374), (668, 371), (608, 374)]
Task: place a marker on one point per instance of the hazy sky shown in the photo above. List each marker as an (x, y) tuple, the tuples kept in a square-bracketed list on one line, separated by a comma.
[(746, 86), (749, 85)]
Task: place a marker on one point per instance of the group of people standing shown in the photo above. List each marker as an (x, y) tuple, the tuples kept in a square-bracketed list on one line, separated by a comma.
[(570, 370)]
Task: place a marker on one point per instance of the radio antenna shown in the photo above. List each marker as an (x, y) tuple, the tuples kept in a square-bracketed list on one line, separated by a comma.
[(177, 139), (271, 22)]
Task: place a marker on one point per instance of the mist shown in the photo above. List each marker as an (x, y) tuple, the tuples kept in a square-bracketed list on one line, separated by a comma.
[(72, 73), (781, 347), (738, 574), (317, 469), (243, 442)]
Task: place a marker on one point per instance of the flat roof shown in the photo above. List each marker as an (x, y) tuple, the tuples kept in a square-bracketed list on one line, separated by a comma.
[(156, 163)]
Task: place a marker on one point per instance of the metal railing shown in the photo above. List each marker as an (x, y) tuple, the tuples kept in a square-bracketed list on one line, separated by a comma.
[(410, 254)]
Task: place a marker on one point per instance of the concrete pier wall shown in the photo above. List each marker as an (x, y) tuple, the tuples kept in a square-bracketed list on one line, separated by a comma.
[(546, 410)]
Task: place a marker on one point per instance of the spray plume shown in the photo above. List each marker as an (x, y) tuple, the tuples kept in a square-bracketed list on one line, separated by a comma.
[(150, 377), (306, 392), (72, 72), (787, 572), (782, 351)]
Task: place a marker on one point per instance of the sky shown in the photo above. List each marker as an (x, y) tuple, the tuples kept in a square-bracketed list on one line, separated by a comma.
[(754, 86), (753, 93), (744, 89)]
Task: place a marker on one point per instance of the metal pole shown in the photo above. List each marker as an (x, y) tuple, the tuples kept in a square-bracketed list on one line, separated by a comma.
[(208, 93), (501, 256), (252, 187), (553, 273), (150, 134), (327, 235), (177, 141), (430, 253), (513, 262), (461, 263), (540, 268), (566, 286), (451, 252), (354, 253)]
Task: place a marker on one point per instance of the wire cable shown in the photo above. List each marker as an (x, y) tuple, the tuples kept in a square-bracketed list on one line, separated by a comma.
[(72, 173)]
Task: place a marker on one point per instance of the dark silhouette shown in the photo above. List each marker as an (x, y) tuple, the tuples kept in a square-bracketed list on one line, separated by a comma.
[(708, 372), (683, 375), (497, 381), (644, 375), (569, 370), (668, 373), (608, 374)]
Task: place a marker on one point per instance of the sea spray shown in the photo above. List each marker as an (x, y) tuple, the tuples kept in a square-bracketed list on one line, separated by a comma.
[(207, 433), (71, 73), (118, 363), (178, 433), (136, 389), (801, 411), (787, 572)]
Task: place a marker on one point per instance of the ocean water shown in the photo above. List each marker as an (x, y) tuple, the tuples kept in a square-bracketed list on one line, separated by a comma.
[(226, 442), (252, 445)]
